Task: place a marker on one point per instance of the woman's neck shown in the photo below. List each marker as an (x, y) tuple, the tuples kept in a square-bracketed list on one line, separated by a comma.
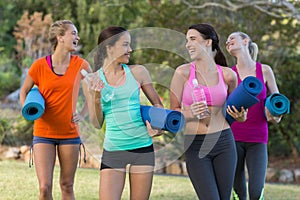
[(111, 67), (204, 66), (60, 58), (245, 61)]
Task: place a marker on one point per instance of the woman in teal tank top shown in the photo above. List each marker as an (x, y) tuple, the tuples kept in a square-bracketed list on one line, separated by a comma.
[(127, 139)]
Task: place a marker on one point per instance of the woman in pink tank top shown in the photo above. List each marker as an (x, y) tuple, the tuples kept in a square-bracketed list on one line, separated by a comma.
[(251, 136), (209, 144)]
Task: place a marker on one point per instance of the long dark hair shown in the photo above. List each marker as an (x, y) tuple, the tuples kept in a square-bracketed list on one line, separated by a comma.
[(208, 32), (108, 37)]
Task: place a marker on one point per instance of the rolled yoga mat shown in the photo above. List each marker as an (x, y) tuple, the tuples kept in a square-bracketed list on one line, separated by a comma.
[(160, 118), (278, 104), (244, 95), (34, 105)]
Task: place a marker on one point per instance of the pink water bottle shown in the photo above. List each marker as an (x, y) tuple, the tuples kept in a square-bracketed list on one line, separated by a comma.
[(199, 96)]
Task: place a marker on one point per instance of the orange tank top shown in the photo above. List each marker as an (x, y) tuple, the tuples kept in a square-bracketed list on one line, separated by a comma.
[(60, 93)]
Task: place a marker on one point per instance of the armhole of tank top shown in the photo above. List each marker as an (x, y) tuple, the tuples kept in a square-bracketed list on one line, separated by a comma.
[(259, 69), (259, 72), (129, 73)]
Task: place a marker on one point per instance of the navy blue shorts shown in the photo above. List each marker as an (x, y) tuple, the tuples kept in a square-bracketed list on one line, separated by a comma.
[(55, 142), (119, 159)]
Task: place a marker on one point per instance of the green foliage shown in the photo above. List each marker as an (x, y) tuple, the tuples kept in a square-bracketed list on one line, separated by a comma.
[(288, 130), (8, 83), (16, 133), (9, 76), (4, 127)]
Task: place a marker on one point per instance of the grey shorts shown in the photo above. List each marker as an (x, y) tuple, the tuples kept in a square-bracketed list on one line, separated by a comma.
[(119, 159)]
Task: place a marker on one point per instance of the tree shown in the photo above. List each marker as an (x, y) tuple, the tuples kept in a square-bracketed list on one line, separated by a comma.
[(31, 34)]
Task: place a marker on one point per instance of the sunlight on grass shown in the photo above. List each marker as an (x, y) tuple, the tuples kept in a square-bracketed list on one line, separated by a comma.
[(19, 182)]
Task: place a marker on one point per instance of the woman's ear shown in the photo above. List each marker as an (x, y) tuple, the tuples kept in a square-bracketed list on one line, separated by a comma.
[(59, 38), (245, 41), (108, 49), (208, 42)]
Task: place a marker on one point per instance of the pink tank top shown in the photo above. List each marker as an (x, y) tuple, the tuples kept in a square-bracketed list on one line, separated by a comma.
[(215, 95), (255, 128)]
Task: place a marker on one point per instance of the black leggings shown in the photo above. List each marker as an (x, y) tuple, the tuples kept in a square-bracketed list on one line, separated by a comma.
[(211, 161), (256, 157)]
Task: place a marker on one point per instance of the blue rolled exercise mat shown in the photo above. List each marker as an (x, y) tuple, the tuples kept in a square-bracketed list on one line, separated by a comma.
[(34, 105), (278, 104), (244, 95), (160, 118)]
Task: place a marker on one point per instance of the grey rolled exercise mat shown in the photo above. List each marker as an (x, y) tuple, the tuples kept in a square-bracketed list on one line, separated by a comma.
[(34, 105), (160, 118), (244, 95), (278, 104)]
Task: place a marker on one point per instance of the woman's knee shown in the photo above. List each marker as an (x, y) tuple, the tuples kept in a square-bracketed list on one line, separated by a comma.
[(45, 190), (67, 186)]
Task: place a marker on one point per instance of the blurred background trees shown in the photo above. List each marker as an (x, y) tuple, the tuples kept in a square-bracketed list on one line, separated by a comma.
[(272, 24)]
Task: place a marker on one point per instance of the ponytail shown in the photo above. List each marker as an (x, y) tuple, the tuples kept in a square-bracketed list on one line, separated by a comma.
[(253, 49), (220, 58)]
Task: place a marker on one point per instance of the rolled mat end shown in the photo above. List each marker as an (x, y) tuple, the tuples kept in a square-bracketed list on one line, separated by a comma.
[(34, 105), (160, 118), (278, 104)]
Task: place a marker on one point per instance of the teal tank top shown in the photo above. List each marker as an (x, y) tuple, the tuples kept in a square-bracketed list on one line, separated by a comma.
[(125, 129)]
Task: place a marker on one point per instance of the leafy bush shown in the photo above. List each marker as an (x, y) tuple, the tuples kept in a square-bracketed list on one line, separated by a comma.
[(14, 129), (9, 76)]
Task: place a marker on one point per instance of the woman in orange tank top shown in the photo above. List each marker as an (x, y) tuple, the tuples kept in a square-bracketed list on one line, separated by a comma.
[(56, 131)]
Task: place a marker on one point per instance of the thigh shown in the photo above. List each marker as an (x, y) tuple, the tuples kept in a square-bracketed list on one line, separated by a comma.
[(239, 185), (140, 178), (257, 158), (111, 184), (257, 161), (201, 174), (44, 160), (241, 154), (68, 155), (225, 163)]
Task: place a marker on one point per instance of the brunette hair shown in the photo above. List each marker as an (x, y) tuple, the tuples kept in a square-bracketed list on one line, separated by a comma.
[(108, 37), (208, 32)]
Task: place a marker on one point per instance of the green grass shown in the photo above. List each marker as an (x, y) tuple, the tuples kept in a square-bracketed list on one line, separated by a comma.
[(19, 182)]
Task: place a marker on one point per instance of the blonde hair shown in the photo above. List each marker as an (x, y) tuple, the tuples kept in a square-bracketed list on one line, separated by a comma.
[(58, 28), (252, 46)]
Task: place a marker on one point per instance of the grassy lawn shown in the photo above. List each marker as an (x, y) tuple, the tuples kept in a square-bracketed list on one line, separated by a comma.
[(19, 182)]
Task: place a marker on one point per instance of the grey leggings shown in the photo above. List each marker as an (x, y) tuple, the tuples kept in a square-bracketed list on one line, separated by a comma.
[(256, 157), (211, 161)]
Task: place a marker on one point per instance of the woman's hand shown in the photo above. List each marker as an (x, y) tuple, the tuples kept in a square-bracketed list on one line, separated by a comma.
[(93, 81), (153, 132), (76, 117), (238, 116), (198, 108), (271, 118)]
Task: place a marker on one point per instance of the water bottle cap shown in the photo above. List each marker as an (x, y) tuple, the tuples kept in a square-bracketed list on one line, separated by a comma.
[(195, 82)]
